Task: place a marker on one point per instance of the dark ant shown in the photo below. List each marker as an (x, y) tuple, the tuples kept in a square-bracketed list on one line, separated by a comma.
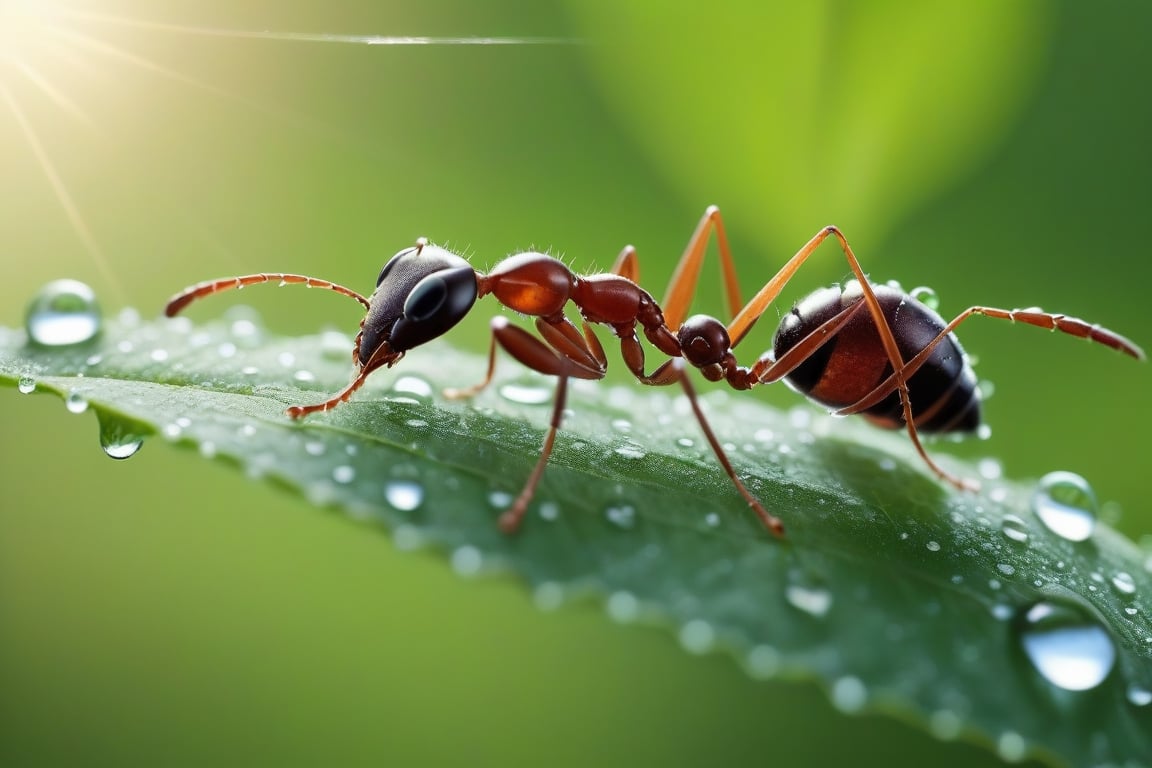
[(897, 363)]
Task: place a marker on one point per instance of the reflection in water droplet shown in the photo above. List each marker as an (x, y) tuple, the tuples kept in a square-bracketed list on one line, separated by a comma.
[(76, 402), (1014, 528), (849, 694), (117, 438), (63, 312), (26, 385), (925, 296), (525, 394), (697, 636), (1066, 504), (622, 607), (404, 495), (1069, 649)]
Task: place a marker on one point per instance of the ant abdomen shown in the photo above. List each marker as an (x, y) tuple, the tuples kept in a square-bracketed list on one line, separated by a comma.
[(853, 362)]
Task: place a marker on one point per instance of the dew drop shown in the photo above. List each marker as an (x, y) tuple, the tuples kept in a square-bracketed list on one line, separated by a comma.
[(622, 516), (1011, 747), (412, 385), (1124, 583), (26, 385), (343, 474), (525, 394), (1067, 648), (763, 662), (1014, 528), (62, 313), (404, 495), (849, 694), (118, 439), (1066, 504), (813, 600), (1139, 696), (697, 637), (622, 607), (548, 596), (76, 402), (925, 296), (467, 560)]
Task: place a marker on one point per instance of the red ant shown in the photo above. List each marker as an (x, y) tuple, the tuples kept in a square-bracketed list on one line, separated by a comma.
[(897, 363)]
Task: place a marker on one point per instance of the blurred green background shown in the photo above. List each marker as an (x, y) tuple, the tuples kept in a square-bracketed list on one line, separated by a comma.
[(164, 610)]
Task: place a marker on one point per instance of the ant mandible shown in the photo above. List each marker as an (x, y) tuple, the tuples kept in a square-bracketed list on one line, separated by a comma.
[(860, 348)]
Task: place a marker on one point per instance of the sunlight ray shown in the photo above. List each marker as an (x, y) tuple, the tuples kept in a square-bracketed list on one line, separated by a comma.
[(313, 37), (59, 188), (54, 94)]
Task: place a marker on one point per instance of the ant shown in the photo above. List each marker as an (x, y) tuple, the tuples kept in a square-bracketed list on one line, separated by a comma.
[(858, 348)]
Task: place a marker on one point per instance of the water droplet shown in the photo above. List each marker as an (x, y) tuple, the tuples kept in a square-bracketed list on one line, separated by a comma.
[(945, 724), (526, 394), (1066, 504), (26, 385), (1014, 528), (933, 546), (63, 312), (467, 560), (925, 296), (343, 474), (630, 451), (621, 517), (1124, 583), (808, 595), (118, 438), (1139, 696), (404, 495), (1067, 648), (76, 402), (849, 694), (1011, 747), (622, 607), (763, 662), (412, 385), (697, 637), (548, 596)]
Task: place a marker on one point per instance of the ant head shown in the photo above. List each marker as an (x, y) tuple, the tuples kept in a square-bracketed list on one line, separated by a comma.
[(422, 292)]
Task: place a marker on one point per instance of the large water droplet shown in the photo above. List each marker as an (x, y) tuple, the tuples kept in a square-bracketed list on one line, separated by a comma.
[(119, 439), (63, 312), (1066, 504), (404, 495), (1069, 649), (925, 296)]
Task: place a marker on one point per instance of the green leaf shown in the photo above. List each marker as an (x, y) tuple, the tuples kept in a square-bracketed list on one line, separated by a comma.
[(896, 593)]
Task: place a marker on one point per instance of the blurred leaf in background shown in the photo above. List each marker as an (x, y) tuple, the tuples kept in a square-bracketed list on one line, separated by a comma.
[(158, 610)]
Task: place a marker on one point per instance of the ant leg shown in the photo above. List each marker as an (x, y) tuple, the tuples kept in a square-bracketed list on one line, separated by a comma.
[(1050, 321), (537, 355), (682, 286), (202, 290), (770, 521)]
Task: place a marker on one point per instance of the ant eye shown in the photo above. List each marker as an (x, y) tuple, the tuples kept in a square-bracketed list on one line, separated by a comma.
[(426, 299)]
